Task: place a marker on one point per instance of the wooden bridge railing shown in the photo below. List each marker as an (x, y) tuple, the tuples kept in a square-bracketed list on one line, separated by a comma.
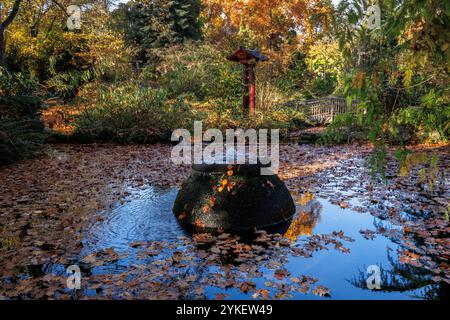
[(323, 110)]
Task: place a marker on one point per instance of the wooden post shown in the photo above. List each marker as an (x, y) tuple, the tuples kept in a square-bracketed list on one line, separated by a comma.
[(245, 94), (248, 58), (252, 89)]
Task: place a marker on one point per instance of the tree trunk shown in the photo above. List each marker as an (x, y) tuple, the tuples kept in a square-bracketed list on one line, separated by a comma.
[(3, 26), (2, 49)]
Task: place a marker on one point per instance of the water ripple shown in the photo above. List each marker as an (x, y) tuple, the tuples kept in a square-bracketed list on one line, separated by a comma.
[(147, 217)]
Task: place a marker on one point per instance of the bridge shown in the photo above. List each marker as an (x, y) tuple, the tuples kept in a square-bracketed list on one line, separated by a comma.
[(324, 110)]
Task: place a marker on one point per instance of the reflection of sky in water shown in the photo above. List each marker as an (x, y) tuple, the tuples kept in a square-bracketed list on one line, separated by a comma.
[(149, 217), (333, 268)]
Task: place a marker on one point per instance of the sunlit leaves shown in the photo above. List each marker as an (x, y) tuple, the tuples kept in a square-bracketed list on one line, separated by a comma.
[(267, 24)]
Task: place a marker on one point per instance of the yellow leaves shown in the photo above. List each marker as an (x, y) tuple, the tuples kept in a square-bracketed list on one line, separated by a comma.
[(222, 185), (407, 77), (324, 56), (225, 184), (10, 242), (428, 174), (265, 22), (422, 174), (305, 198), (301, 225)]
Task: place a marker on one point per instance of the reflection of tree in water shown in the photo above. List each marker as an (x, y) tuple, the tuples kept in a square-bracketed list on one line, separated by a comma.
[(306, 218), (420, 232), (423, 166), (405, 277)]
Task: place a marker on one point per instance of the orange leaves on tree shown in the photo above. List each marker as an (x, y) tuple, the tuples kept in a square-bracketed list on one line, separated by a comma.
[(266, 23)]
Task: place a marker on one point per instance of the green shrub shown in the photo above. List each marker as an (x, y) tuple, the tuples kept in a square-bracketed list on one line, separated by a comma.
[(129, 113), (65, 84), (84, 58), (343, 128), (273, 116), (199, 70), (429, 121), (21, 130), (20, 138), (17, 97)]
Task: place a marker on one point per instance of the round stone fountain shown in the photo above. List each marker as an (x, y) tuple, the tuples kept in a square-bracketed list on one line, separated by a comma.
[(233, 197)]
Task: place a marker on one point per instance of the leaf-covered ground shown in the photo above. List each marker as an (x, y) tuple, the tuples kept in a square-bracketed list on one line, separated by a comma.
[(46, 205)]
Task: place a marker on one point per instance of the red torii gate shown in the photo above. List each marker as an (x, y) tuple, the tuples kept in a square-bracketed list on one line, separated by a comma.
[(248, 58)]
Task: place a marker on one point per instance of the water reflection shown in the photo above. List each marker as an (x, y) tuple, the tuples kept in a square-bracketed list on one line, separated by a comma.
[(306, 217), (419, 264), (149, 217), (400, 277), (425, 166)]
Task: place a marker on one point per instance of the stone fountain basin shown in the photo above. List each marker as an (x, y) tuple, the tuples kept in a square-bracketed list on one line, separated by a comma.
[(211, 198)]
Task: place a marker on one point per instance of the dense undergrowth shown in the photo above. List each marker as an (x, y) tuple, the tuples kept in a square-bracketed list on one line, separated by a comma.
[(21, 129)]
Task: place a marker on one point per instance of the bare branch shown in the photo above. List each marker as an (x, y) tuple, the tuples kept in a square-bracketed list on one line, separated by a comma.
[(61, 7)]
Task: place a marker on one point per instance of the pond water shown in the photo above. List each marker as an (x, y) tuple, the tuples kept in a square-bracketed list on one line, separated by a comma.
[(345, 224), (148, 216)]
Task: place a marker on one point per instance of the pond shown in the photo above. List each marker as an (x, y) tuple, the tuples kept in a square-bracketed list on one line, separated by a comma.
[(349, 230), (146, 223)]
